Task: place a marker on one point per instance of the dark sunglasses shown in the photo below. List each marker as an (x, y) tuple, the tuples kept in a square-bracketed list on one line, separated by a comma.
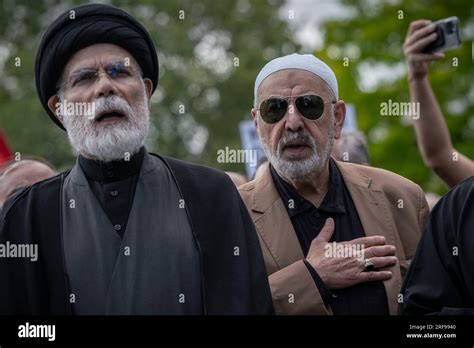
[(310, 106)]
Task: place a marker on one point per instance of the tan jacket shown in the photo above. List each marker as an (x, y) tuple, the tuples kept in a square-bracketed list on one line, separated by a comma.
[(388, 205)]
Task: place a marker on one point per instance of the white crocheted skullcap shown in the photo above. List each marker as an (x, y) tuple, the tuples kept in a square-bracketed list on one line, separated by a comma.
[(306, 62)]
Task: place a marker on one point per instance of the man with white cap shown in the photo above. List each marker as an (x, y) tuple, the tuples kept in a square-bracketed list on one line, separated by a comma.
[(337, 237)]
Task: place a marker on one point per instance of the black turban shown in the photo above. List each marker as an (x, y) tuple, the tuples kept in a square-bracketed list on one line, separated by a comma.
[(93, 23)]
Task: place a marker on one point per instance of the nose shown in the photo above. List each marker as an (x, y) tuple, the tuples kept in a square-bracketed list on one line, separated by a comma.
[(293, 119), (104, 86)]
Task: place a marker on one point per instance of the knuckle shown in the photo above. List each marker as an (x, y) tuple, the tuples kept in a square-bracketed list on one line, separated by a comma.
[(371, 275), (386, 250), (379, 251)]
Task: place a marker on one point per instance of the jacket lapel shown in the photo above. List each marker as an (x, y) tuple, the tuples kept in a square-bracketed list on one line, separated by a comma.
[(274, 225)]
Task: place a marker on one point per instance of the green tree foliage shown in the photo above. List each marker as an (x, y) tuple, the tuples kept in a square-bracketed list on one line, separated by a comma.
[(372, 37), (210, 53), (209, 59)]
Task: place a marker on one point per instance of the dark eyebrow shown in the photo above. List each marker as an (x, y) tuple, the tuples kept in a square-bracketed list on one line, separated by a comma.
[(94, 68), (80, 70)]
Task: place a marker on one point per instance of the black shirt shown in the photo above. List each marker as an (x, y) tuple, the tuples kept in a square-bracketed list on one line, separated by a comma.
[(307, 220), (114, 183)]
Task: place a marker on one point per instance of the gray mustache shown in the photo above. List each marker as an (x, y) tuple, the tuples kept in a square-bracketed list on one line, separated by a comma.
[(290, 137), (111, 103)]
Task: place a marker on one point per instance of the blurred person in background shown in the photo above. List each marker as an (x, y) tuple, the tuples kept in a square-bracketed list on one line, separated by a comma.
[(351, 147), (440, 279), (432, 133), (18, 174)]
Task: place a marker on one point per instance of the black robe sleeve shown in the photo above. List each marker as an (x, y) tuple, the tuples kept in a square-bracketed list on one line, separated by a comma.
[(440, 279), (31, 216), (19, 276), (234, 274)]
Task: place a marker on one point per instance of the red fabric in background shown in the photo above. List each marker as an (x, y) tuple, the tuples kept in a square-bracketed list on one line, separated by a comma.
[(5, 151)]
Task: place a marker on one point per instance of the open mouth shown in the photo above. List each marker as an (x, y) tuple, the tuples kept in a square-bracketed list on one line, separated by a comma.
[(295, 145), (296, 148), (113, 114)]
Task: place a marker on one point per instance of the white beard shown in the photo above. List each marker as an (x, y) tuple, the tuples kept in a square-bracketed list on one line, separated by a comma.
[(110, 142), (296, 170)]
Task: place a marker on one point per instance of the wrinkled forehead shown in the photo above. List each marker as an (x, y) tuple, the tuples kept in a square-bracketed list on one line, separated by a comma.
[(291, 82), (98, 55)]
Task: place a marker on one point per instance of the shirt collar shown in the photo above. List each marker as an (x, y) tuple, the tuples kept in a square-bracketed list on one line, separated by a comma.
[(112, 171), (333, 201)]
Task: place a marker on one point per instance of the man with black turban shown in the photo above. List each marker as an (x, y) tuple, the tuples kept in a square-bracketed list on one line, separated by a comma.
[(124, 231)]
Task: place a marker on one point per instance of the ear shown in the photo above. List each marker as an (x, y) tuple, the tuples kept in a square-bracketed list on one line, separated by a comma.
[(254, 116), (54, 107), (148, 87), (339, 116)]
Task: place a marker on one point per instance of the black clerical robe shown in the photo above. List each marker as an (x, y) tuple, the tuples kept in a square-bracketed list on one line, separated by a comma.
[(150, 267), (233, 277), (440, 279)]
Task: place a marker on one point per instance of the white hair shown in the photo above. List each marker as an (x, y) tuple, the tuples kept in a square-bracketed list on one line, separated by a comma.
[(109, 142), (295, 169)]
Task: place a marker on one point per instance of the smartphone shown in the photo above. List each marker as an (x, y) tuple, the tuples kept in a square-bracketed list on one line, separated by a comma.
[(448, 36)]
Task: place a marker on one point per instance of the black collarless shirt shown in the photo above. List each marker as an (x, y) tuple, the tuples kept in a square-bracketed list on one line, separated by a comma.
[(307, 220), (114, 183)]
